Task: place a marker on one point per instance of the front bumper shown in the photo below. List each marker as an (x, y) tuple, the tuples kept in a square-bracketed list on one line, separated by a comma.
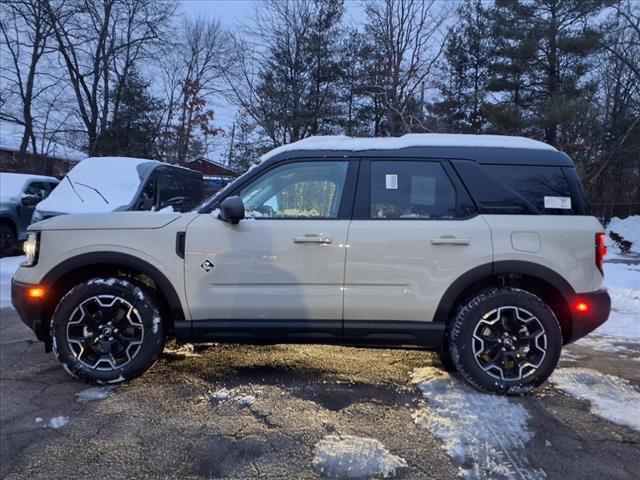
[(30, 310), (598, 307)]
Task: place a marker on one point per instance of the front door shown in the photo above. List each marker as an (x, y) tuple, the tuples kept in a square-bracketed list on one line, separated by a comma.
[(285, 261)]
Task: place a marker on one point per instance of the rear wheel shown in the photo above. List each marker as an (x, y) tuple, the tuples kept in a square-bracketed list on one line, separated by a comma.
[(8, 240), (505, 341), (107, 330)]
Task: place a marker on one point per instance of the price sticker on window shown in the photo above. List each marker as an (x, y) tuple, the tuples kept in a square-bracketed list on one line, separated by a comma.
[(391, 181), (563, 203)]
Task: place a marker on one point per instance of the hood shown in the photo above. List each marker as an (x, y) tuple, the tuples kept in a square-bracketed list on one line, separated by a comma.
[(107, 221)]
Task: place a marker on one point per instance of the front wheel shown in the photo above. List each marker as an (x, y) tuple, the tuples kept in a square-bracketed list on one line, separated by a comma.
[(505, 341), (107, 330)]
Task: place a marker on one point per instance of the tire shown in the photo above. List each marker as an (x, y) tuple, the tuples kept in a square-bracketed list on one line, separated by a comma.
[(107, 331), (8, 240), (505, 341)]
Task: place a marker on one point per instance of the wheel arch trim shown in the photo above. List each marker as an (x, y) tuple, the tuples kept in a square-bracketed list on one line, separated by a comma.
[(466, 280), (122, 260)]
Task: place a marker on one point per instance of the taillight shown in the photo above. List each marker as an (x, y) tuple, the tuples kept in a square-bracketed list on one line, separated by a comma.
[(601, 251)]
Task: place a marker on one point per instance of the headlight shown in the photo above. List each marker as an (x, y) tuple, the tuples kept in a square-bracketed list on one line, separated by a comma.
[(31, 245), (37, 216)]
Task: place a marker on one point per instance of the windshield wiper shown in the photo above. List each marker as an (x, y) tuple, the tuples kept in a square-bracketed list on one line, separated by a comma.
[(95, 190), (74, 188)]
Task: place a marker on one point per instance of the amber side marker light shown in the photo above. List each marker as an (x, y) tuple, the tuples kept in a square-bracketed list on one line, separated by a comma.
[(582, 307), (35, 292)]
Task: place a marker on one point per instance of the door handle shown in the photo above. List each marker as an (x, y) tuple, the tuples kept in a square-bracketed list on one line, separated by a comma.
[(313, 238), (450, 240)]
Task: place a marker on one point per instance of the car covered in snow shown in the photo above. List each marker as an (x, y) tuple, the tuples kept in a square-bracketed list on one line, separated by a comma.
[(19, 194), (482, 248), (108, 184)]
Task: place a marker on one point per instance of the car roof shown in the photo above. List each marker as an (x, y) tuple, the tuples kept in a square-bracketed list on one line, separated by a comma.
[(488, 149), (28, 177)]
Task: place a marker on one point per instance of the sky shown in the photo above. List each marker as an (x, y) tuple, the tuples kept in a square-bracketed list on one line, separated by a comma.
[(232, 13)]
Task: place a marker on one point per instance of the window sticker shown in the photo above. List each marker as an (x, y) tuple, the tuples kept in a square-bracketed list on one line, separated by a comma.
[(391, 181), (563, 203)]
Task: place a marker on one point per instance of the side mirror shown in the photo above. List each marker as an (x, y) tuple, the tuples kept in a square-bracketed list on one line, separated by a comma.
[(29, 200), (232, 210)]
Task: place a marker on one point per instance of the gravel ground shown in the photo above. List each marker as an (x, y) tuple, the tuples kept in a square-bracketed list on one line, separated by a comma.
[(226, 411)]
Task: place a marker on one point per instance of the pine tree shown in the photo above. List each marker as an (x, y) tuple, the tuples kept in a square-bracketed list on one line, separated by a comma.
[(542, 57), (463, 89), (134, 131)]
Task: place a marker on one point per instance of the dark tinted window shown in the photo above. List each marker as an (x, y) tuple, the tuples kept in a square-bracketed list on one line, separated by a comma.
[(411, 189), (545, 188), (515, 189), (178, 190)]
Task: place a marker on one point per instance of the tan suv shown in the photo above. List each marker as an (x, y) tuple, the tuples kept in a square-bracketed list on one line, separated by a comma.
[(480, 247)]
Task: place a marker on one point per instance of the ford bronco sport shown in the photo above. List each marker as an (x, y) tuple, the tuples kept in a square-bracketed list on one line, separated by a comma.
[(482, 248)]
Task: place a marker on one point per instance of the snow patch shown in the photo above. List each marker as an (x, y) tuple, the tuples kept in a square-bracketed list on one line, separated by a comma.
[(628, 228), (8, 267), (246, 400), (110, 282), (609, 344), (156, 322), (96, 184), (58, 422), (484, 434), (354, 144), (355, 457), (221, 395), (38, 420), (93, 394), (611, 398)]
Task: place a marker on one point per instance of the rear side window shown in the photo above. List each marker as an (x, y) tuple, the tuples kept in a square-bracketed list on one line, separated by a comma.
[(518, 189), (411, 189)]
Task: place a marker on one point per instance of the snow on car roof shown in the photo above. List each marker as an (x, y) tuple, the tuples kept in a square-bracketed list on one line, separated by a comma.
[(97, 184), (342, 142), (12, 184)]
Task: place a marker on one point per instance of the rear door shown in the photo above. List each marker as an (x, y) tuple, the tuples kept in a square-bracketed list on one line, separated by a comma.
[(414, 232), (286, 260)]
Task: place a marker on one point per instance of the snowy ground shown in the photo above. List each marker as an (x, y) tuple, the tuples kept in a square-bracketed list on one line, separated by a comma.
[(8, 266)]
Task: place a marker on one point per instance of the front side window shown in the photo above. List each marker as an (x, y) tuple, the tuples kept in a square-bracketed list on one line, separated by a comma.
[(297, 190), (411, 189)]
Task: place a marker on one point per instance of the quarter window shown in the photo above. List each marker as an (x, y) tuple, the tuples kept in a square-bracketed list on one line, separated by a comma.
[(411, 189), (297, 190)]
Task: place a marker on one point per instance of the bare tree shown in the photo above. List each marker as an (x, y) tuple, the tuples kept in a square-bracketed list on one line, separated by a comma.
[(407, 39), (96, 38), (191, 75), (25, 36)]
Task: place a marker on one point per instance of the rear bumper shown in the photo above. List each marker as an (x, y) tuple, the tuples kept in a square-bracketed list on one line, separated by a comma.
[(30, 310), (598, 307)]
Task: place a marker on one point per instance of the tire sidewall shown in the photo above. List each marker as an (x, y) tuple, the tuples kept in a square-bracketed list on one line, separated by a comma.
[(466, 322), (141, 298)]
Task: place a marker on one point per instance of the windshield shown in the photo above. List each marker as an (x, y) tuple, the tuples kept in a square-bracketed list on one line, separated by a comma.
[(100, 184)]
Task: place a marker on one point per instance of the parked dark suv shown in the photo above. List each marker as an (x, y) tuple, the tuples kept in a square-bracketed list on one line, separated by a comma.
[(19, 194)]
